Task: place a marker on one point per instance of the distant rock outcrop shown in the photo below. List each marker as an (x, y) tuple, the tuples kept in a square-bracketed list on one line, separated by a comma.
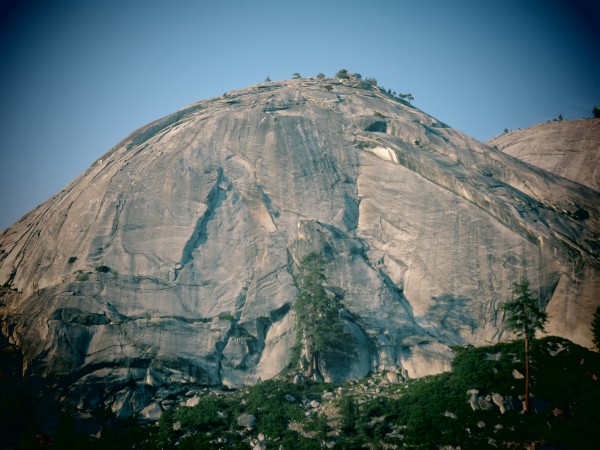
[(569, 148), (173, 259)]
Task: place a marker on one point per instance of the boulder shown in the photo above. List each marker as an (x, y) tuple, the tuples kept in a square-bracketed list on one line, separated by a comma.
[(517, 375), (191, 402), (246, 421), (152, 412)]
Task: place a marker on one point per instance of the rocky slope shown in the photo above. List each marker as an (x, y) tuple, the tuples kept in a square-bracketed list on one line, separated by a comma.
[(172, 259), (569, 148)]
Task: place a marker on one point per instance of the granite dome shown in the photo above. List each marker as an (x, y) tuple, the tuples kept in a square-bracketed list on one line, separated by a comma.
[(173, 258)]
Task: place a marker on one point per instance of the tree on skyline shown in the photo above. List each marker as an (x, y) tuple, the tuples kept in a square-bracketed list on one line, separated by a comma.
[(342, 74)]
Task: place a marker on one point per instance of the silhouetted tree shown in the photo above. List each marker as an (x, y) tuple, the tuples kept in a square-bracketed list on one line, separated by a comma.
[(267, 79), (596, 328), (596, 112), (524, 317), (320, 75), (296, 75)]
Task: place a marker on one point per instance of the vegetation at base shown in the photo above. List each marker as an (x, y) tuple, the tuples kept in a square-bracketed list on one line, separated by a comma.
[(430, 412)]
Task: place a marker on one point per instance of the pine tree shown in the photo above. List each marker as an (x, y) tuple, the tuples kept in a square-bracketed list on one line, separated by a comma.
[(525, 318), (317, 316)]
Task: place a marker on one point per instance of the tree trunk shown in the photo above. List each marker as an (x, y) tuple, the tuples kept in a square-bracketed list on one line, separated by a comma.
[(526, 374)]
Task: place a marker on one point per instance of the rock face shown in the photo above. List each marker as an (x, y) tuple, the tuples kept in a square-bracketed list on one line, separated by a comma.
[(569, 148), (173, 258)]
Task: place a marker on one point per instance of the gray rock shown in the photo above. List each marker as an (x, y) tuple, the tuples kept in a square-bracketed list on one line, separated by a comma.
[(246, 421), (484, 403), (517, 375), (450, 415), (327, 395), (152, 412), (191, 402), (121, 407), (473, 399), (499, 402)]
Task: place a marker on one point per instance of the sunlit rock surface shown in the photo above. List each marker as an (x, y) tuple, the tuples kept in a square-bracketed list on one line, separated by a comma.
[(173, 258), (570, 148)]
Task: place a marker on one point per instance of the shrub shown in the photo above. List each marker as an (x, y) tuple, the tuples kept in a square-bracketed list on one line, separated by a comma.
[(343, 74), (320, 75), (226, 316), (72, 259), (296, 75), (204, 416), (103, 269), (81, 276)]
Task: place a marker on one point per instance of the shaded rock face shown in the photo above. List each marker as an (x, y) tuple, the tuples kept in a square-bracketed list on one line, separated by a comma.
[(569, 148), (173, 258)]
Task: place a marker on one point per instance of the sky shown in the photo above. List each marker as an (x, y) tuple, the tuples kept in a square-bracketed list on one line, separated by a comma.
[(78, 76)]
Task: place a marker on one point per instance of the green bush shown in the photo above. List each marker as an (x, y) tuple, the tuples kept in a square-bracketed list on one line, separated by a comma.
[(204, 416), (72, 259), (81, 276), (103, 269), (343, 74)]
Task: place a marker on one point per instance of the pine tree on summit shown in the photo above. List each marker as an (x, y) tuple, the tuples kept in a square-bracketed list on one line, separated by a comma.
[(317, 316)]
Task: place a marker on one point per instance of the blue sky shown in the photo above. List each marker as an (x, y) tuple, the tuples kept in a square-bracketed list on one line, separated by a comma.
[(78, 76)]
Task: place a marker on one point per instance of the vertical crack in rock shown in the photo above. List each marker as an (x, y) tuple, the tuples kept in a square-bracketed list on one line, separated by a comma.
[(271, 210), (215, 198)]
